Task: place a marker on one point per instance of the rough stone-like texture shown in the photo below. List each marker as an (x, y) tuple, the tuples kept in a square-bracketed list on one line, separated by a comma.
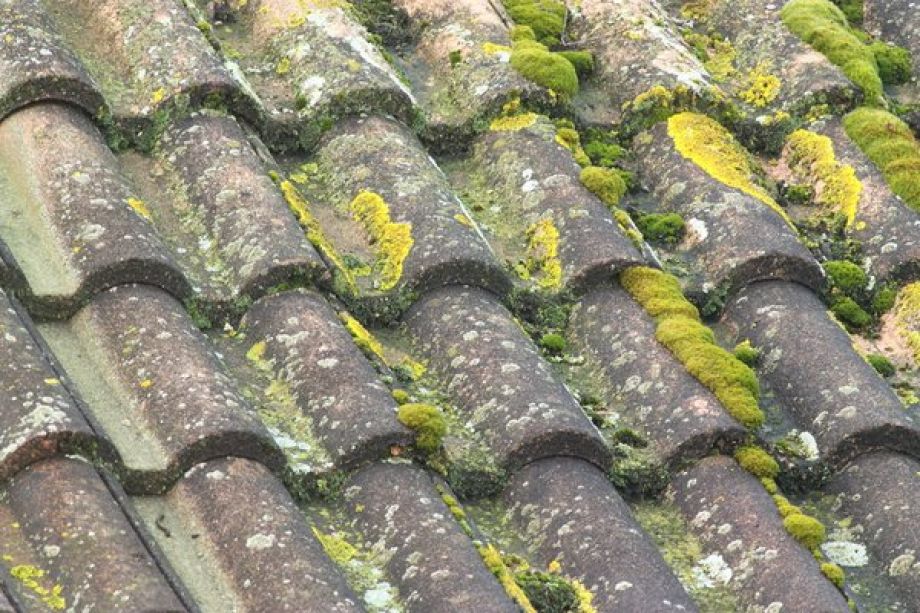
[(258, 551), (636, 48), (529, 177), (506, 392), (67, 215), (149, 59), (36, 65), (38, 417), (59, 517), (737, 521), (764, 46), (879, 491), (223, 217), (381, 156), (895, 21), (335, 388), (682, 419), (155, 386), (431, 560), (453, 96), (888, 231), (809, 360), (568, 511), (732, 238), (310, 64)]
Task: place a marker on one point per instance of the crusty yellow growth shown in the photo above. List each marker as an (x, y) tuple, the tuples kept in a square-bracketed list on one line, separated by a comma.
[(678, 327), (707, 144), (763, 87), (492, 48), (907, 318), (570, 139), (139, 207), (392, 241), (158, 95), (29, 576), (314, 233), (365, 341), (811, 156), (584, 595), (543, 253), (513, 123), (341, 551), (257, 351), (493, 561)]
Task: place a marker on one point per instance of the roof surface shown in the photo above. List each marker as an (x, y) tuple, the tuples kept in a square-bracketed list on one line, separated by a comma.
[(429, 305)]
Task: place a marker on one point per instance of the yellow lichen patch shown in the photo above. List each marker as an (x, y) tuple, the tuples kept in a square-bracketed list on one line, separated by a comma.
[(707, 144), (543, 254), (256, 352), (584, 595), (29, 576), (341, 551), (812, 156), (145, 383), (139, 206), (762, 87), (571, 140), (392, 240), (463, 220), (283, 66), (301, 209), (158, 95), (513, 123), (493, 561), (492, 48), (907, 318), (365, 341)]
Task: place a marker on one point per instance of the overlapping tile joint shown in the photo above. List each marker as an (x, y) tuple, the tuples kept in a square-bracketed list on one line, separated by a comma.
[(402, 305)]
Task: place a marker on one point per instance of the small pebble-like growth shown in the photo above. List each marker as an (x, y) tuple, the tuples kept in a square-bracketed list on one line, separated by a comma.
[(757, 461), (890, 144), (428, 423), (846, 276), (747, 353), (806, 529), (680, 329), (545, 68), (850, 313), (605, 183)]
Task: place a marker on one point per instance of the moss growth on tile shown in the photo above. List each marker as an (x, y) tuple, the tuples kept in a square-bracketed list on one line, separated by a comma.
[(545, 68), (907, 318), (757, 462), (581, 61), (521, 32), (890, 144), (665, 228), (139, 207), (881, 364), (747, 353), (547, 592), (365, 341), (833, 573), (605, 183), (553, 342), (850, 313), (568, 137), (392, 241), (894, 63), (428, 423), (710, 146), (546, 18), (496, 565), (823, 25), (602, 150), (846, 276), (717, 54), (30, 577), (680, 329), (805, 529), (834, 185)]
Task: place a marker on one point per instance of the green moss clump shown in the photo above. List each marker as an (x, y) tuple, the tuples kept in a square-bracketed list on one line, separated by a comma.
[(553, 342), (582, 61), (894, 63), (806, 529), (545, 17), (823, 25), (853, 9), (604, 183), (850, 313), (400, 396), (661, 227), (520, 32), (846, 276), (833, 573), (546, 69), (680, 329), (603, 153), (891, 146), (547, 592), (881, 364), (884, 299), (784, 507), (757, 462), (427, 422), (747, 353)]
